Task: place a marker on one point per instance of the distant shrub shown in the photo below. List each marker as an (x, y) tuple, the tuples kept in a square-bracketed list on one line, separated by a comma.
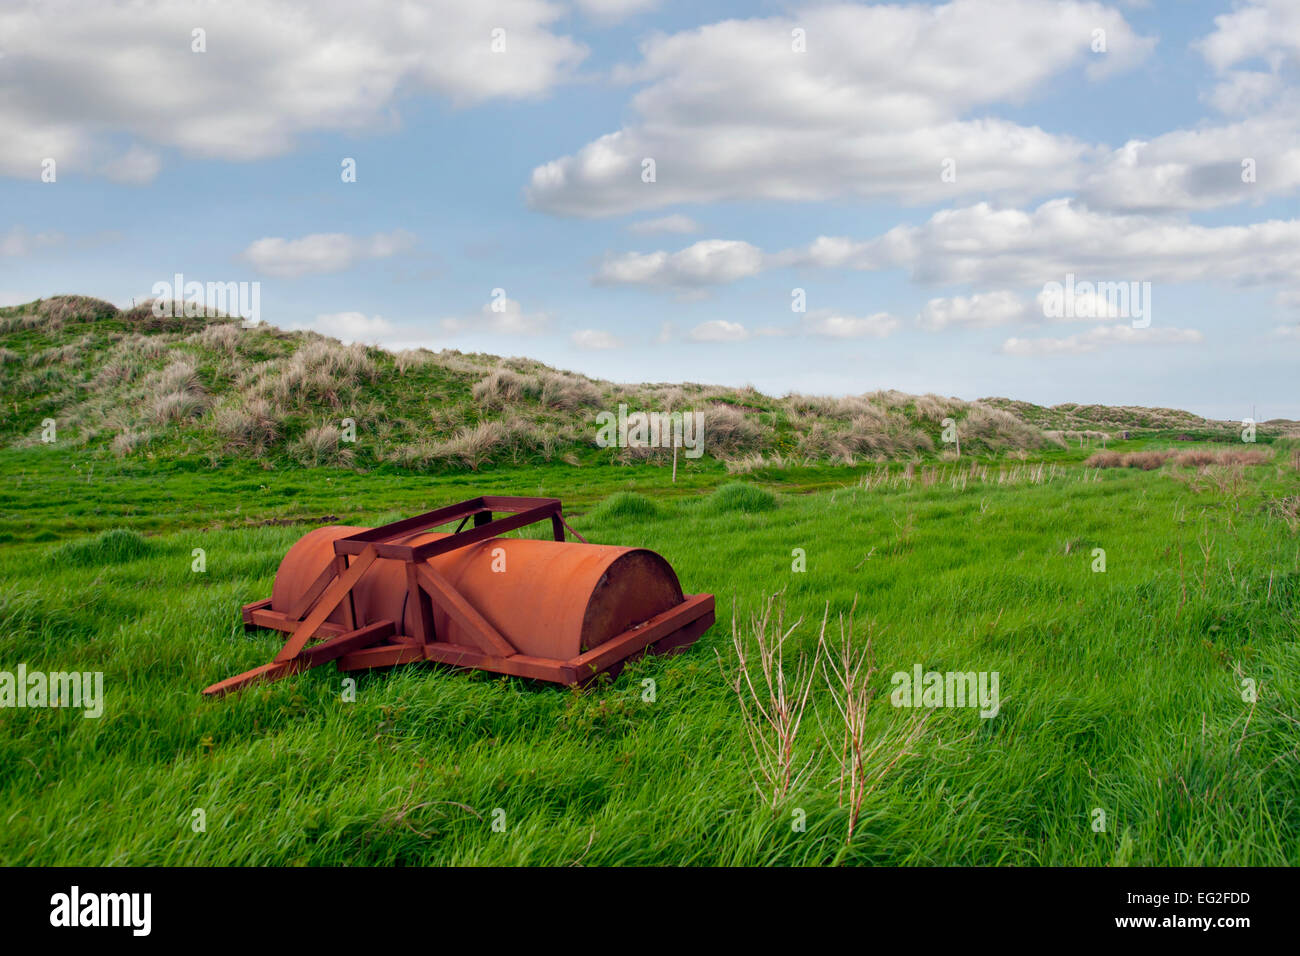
[(179, 376), (1147, 460), (625, 505), (321, 446), (1105, 459), (1243, 456), (142, 318), (936, 408), (124, 443), (827, 406), (568, 393), (319, 372), (728, 431), (177, 407), (1194, 458), (738, 496), (473, 446), (254, 426), (408, 359), (117, 546), (996, 429), (60, 309), (221, 336), (506, 387)]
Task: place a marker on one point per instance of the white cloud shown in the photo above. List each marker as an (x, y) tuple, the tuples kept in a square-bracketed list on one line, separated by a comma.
[(509, 319), (674, 223), (352, 327), (986, 245), (136, 166), (880, 98), (19, 242), (1287, 332), (1103, 336), (707, 262), (1244, 91), (1265, 30), (836, 326), (1203, 168), (982, 245), (322, 253), (82, 76), (595, 339), (718, 330), (979, 311)]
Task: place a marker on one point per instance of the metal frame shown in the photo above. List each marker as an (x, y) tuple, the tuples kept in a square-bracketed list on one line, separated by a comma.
[(378, 644)]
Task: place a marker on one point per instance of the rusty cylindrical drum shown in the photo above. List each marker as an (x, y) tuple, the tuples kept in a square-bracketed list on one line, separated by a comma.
[(552, 599)]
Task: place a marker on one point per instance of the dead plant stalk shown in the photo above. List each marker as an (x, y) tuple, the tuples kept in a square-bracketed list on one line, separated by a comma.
[(772, 701)]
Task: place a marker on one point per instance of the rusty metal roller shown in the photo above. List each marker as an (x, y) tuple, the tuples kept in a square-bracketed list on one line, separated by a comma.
[(559, 611), (552, 599)]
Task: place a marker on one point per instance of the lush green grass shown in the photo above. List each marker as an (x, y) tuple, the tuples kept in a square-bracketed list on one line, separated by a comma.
[(1120, 690)]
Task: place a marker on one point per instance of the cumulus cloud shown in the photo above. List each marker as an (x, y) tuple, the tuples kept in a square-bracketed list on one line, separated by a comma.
[(718, 330), (352, 327), (707, 262), (508, 318), (979, 311), (1101, 337), (881, 97), (986, 245), (983, 244), (593, 339), (1256, 30), (1247, 160), (1244, 91), (322, 253), (837, 326), (81, 76)]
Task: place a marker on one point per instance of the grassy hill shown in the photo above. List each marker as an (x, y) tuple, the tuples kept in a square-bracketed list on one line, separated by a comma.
[(128, 384)]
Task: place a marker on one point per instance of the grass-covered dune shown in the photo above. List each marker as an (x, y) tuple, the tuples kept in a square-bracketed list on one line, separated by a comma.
[(129, 384)]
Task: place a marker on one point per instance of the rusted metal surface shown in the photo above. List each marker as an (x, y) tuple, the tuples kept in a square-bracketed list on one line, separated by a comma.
[(549, 610)]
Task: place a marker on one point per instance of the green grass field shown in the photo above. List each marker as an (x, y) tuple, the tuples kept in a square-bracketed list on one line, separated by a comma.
[(1121, 692)]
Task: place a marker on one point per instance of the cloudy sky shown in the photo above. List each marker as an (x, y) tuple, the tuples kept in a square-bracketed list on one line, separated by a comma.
[(822, 198)]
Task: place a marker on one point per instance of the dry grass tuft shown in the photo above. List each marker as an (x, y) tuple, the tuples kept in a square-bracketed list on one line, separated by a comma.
[(321, 446), (1194, 458), (252, 427)]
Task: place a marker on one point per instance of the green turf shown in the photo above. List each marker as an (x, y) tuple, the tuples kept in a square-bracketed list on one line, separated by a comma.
[(1121, 691)]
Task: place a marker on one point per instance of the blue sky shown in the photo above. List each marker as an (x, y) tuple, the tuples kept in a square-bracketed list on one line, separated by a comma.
[(776, 169)]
